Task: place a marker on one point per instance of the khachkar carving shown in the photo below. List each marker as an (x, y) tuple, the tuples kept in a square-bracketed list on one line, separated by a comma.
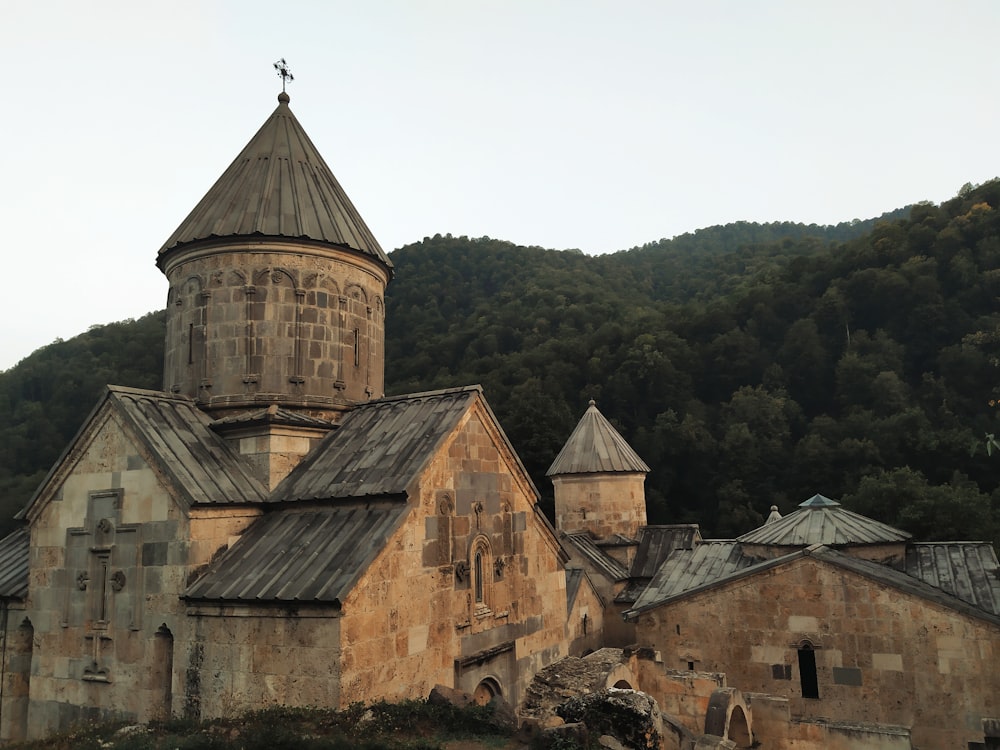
[(101, 583)]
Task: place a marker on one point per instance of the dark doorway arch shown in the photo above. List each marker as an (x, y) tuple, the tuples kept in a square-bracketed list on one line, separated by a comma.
[(162, 673), (487, 690), (623, 685), (739, 729)]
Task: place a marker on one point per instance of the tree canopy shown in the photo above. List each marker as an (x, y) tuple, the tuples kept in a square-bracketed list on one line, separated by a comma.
[(749, 365)]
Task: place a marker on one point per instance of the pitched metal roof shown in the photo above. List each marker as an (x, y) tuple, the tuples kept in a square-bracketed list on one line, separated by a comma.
[(380, 447), (657, 542), (711, 561), (14, 555), (300, 556), (967, 570), (823, 521), (202, 467), (727, 563), (605, 564), (596, 446), (903, 581), (278, 186)]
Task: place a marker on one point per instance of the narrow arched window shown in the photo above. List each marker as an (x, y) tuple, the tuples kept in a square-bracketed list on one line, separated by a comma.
[(807, 671), (478, 573), (481, 564)]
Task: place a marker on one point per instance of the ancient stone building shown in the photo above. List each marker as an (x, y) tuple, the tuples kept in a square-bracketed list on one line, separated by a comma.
[(843, 618), (270, 528)]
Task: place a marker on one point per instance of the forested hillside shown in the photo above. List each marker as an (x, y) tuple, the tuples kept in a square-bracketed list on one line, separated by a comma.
[(749, 365)]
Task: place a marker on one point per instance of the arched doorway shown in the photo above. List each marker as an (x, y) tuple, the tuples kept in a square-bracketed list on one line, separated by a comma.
[(487, 690), (623, 685), (739, 730), (162, 672)]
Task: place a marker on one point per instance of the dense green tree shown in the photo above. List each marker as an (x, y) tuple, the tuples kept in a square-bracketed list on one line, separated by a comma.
[(749, 365)]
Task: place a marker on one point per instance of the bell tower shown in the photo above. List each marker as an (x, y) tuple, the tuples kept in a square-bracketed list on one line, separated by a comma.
[(277, 287)]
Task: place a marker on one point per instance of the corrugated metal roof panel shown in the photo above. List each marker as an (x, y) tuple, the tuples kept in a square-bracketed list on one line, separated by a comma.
[(823, 523), (202, 465), (379, 448), (657, 542), (608, 566), (595, 446), (14, 556), (711, 561), (307, 556), (279, 186), (967, 570)]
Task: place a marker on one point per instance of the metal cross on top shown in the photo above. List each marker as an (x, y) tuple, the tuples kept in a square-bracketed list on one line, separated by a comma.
[(283, 72)]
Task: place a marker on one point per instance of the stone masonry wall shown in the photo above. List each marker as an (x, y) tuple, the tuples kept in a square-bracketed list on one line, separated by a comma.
[(259, 323), (108, 548), (425, 612), (881, 655), (239, 659), (603, 504)]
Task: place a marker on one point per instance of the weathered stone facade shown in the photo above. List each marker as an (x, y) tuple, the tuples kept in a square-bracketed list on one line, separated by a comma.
[(289, 323), (870, 652), (603, 504)]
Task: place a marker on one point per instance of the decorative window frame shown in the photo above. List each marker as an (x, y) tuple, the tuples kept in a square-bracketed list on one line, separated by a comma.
[(481, 574)]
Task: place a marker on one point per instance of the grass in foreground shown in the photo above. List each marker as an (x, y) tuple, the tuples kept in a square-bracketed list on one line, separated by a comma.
[(410, 725)]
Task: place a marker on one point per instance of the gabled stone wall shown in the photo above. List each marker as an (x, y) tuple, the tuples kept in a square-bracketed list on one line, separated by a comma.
[(872, 653), (109, 558), (428, 612)]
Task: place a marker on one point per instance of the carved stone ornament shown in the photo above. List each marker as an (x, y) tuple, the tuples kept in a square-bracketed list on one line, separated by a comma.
[(445, 506), (118, 580), (82, 579), (105, 526), (498, 567), (462, 571), (275, 277)]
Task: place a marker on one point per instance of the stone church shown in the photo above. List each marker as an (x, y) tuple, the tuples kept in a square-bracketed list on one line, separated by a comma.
[(272, 529)]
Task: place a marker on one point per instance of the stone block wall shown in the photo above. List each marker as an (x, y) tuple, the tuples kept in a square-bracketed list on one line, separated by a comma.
[(603, 504), (108, 549), (269, 322), (428, 612), (239, 658), (881, 655)]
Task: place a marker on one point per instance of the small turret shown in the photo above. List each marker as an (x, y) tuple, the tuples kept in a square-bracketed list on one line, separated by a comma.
[(598, 481)]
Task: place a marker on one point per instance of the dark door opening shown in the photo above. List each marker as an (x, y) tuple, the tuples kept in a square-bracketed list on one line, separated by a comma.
[(807, 672)]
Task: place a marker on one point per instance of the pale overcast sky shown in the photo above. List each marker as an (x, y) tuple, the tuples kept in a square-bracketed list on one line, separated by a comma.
[(566, 124)]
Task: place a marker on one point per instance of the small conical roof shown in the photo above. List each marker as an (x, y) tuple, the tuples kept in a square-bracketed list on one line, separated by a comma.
[(279, 186), (823, 521), (596, 446)]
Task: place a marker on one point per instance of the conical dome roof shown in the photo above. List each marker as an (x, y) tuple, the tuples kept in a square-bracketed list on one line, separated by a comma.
[(596, 446), (279, 186), (823, 521)]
